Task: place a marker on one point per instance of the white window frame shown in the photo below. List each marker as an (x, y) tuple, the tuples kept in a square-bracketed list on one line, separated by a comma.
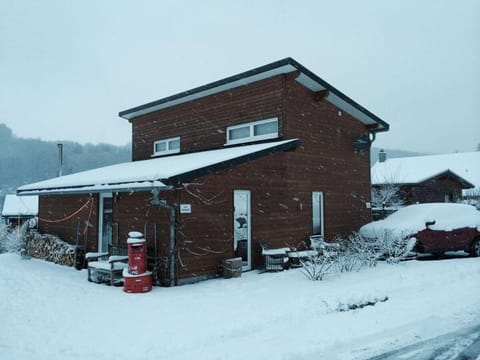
[(167, 142), (318, 217), (252, 137)]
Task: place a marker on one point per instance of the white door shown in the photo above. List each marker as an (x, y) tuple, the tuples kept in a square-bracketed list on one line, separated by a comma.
[(317, 213), (241, 227), (105, 221)]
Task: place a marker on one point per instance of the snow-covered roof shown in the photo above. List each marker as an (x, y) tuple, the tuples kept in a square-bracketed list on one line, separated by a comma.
[(284, 66), (416, 169), (160, 173), (20, 205)]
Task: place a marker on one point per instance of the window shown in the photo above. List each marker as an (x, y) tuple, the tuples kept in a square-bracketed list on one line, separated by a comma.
[(317, 213), (166, 146), (254, 131)]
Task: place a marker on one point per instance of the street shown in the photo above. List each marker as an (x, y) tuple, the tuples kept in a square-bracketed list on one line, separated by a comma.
[(459, 345)]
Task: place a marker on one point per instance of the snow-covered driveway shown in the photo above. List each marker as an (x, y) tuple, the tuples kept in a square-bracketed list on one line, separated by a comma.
[(51, 312)]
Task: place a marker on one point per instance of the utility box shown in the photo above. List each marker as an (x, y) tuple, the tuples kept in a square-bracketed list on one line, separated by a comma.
[(136, 278), (137, 253), (232, 268)]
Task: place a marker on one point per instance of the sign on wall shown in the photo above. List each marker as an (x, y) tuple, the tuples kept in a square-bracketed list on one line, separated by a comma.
[(185, 208)]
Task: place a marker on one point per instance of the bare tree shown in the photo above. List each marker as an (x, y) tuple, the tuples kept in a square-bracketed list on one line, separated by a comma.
[(387, 195), (471, 197)]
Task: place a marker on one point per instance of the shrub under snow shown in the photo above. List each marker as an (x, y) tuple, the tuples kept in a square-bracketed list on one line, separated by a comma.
[(352, 253)]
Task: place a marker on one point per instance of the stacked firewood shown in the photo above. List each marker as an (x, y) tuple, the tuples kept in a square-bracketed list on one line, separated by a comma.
[(50, 248)]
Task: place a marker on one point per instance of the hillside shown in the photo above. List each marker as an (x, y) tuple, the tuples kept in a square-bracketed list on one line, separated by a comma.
[(23, 161)]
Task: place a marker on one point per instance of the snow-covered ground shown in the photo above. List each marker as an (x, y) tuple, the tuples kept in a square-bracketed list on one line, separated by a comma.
[(51, 312)]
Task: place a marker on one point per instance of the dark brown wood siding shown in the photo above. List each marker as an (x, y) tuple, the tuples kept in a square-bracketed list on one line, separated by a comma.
[(327, 161), (60, 215), (202, 123), (433, 190)]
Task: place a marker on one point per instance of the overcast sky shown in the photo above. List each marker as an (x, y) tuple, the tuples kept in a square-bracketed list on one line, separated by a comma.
[(67, 68)]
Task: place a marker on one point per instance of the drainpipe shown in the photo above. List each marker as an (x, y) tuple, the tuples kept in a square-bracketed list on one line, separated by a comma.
[(172, 245)]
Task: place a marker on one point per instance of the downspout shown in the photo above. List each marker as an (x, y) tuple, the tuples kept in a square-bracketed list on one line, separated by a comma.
[(172, 244)]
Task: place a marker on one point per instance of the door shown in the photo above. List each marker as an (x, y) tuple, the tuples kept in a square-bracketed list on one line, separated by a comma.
[(317, 213), (105, 221), (241, 227)]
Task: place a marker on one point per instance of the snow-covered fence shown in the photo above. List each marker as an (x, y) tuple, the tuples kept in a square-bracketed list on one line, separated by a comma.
[(50, 248)]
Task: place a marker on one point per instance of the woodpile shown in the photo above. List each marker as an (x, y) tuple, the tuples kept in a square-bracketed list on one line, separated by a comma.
[(50, 248)]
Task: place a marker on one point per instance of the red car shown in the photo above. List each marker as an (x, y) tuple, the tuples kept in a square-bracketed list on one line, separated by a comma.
[(437, 227)]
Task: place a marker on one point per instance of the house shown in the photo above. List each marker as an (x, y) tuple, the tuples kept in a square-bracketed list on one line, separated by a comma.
[(431, 178), (17, 209), (273, 154)]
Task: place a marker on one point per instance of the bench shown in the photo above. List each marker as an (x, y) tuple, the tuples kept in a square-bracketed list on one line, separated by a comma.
[(107, 267)]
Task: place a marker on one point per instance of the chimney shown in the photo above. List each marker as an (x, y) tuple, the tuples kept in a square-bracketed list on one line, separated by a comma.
[(382, 156), (60, 160)]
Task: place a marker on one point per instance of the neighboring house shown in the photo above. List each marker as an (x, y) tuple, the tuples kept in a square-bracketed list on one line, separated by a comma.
[(274, 154), (17, 209), (432, 178)]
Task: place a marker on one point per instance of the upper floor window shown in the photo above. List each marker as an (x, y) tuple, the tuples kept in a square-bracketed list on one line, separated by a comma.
[(254, 131), (166, 146)]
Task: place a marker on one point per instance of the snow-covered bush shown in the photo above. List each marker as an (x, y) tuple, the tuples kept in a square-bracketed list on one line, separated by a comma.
[(393, 247), (355, 304), (9, 239), (316, 267), (355, 253), (352, 253), (344, 254), (13, 239)]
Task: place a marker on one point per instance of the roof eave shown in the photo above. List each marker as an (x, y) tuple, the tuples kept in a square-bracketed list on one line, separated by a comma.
[(106, 188), (187, 176), (283, 66), (465, 183)]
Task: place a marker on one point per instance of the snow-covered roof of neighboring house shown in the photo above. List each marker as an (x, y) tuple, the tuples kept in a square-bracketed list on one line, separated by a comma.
[(20, 205), (160, 173), (416, 169), (284, 66)]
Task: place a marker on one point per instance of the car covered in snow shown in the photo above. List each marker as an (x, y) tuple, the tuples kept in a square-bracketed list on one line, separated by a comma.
[(436, 227)]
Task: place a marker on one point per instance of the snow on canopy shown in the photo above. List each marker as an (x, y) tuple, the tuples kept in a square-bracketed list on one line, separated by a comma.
[(416, 169), (20, 205), (144, 174), (411, 219)]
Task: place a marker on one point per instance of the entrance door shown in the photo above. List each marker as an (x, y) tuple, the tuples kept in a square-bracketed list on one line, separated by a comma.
[(317, 213), (105, 221), (241, 227)]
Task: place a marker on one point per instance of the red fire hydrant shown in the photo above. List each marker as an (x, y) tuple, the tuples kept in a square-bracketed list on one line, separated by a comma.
[(136, 278)]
